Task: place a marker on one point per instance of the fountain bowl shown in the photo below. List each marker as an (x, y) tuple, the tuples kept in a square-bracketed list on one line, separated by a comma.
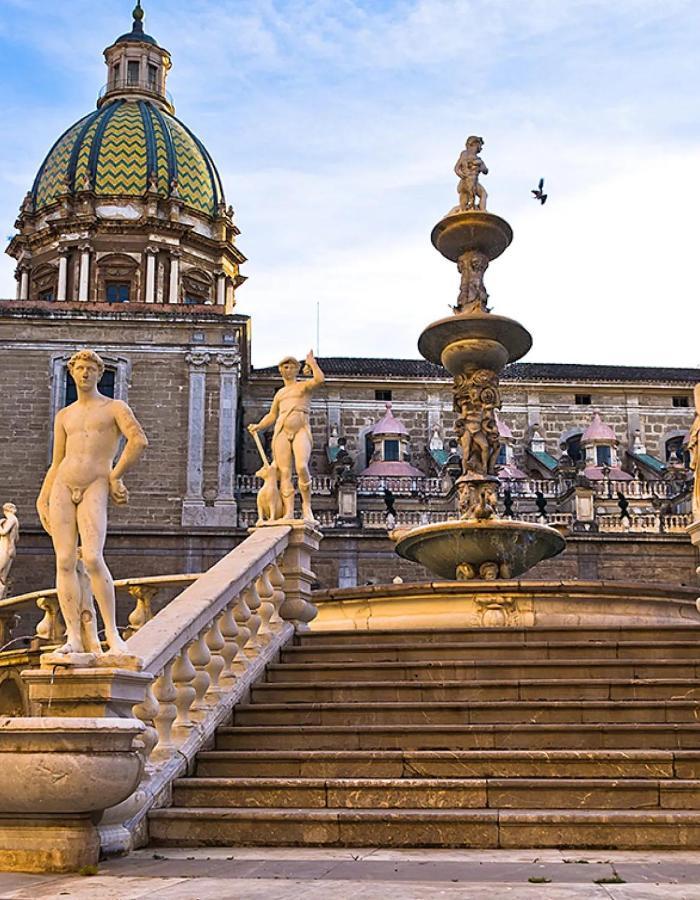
[(472, 229), (474, 340), (442, 547)]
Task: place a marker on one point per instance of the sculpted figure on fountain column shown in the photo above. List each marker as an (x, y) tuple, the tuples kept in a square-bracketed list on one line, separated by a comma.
[(476, 401), (468, 168), (291, 439), (72, 503), (472, 293), (694, 448), (9, 535)]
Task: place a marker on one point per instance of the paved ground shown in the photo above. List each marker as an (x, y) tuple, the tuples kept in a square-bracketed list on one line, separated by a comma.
[(291, 873)]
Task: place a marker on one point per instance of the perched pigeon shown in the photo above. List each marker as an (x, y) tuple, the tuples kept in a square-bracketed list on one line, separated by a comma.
[(538, 193)]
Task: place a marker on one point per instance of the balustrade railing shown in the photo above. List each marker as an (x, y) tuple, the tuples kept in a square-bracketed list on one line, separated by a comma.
[(321, 485), (146, 594), (634, 489), (196, 657), (649, 523)]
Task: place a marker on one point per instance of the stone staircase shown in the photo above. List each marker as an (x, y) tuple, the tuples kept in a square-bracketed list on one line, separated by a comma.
[(501, 737)]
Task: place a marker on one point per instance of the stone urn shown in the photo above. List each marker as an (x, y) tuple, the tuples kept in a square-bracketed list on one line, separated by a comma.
[(58, 776)]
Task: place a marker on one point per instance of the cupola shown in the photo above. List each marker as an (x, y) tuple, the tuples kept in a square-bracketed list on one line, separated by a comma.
[(391, 442)]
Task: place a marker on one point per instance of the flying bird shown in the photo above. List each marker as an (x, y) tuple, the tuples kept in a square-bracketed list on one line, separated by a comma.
[(538, 194)]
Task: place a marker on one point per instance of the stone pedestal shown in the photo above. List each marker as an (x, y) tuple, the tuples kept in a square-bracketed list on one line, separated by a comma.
[(304, 539), (94, 692), (59, 775)]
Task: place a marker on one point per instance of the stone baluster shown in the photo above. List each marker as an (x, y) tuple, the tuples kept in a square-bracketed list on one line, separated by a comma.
[(50, 629), (215, 643), (146, 711), (254, 622), (166, 694), (229, 632), (200, 658), (242, 614), (266, 593), (277, 579), (183, 677), (142, 595)]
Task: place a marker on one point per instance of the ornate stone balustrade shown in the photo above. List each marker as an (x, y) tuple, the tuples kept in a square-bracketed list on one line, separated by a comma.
[(199, 656), (146, 593), (321, 485), (529, 487), (640, 524)]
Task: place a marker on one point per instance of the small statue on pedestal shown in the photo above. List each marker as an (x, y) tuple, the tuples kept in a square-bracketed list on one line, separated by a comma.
[(694, 450), (72, 503), (291, 439), (468, 168), (9, 535)]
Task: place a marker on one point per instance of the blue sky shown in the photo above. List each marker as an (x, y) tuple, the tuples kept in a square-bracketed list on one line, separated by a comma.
[(335, 126)]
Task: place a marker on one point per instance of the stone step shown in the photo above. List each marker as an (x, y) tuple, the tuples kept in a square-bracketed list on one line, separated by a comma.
[(437, 793), (469, 713), (556, 650), (534, 634), (449, 764), (428, 691), (446, 670), (554, 736), (563, 828)]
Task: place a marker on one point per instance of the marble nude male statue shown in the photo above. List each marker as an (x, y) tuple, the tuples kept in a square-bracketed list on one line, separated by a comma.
[(9, 535), (72, 503), (291, 439), (468, 168), (694, 448)]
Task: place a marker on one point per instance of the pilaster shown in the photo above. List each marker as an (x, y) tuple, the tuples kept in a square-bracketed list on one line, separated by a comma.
[(193, 502), (229, 374)]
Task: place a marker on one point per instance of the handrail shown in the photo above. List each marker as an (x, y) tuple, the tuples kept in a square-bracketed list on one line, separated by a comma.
[(161, 639), (144, 581)]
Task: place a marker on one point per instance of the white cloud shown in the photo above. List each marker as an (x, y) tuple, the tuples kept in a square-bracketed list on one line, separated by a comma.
[(336, 126)]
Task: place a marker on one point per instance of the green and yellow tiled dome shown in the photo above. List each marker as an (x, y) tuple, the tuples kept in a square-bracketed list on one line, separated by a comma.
[(117, 150)]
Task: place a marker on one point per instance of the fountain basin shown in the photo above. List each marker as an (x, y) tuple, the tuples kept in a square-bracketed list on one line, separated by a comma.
[(474, 340), (59, 774), (442, 547), (460, 231)]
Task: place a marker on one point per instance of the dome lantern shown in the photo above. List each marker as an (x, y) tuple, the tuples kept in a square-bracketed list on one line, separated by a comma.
[(137, 65)]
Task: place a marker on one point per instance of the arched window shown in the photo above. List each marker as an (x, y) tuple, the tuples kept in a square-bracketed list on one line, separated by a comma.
[(117, 278), (502, 457)]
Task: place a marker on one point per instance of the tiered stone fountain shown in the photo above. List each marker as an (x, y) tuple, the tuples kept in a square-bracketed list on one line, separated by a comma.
[(474, 346)]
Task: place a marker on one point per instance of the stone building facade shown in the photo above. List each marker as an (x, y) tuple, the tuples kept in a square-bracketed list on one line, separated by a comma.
[(125, 244)]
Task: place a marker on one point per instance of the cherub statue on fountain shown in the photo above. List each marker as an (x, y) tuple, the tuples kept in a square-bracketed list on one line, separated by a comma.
[(468, 168)]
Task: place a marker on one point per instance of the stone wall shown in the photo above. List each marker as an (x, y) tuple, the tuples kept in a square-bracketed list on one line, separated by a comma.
[(151, 356), (422, 403)]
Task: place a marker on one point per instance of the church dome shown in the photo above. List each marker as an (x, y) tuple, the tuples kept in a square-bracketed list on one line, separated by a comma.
[(124, 148)]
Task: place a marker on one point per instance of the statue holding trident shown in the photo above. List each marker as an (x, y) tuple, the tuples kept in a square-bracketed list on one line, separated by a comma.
[(291, 439), (72, 503), (468, 168)]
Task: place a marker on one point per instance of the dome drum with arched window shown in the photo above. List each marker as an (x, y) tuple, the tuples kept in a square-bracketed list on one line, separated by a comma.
[(128, 204)]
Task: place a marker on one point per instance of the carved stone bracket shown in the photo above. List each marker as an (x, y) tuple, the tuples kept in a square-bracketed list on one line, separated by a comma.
[(198, 358)]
